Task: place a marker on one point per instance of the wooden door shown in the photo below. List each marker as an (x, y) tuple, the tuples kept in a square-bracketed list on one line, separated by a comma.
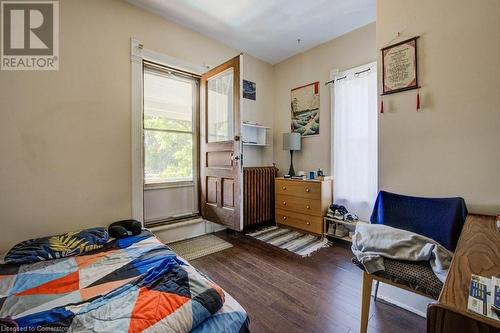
[(220, 145)]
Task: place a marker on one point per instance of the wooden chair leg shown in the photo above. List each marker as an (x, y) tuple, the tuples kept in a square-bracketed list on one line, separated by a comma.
[(365, 301)]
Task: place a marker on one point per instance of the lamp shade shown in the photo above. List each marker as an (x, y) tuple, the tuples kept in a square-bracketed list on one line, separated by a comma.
[(292, 141)]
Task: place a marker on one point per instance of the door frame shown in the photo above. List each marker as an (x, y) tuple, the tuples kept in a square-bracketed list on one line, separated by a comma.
[(138, 53)]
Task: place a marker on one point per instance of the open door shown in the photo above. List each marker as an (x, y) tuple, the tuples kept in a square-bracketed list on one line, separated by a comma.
[(220, 145)]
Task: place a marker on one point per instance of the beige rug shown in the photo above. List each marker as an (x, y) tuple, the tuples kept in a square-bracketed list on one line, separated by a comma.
[(302, 244), (198, 247)]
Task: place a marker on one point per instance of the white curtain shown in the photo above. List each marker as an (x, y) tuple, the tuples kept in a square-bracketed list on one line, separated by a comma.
[(354, 128)]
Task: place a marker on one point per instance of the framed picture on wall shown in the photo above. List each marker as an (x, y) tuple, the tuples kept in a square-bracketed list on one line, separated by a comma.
[(305, 109), (399, 66), (249, 90)]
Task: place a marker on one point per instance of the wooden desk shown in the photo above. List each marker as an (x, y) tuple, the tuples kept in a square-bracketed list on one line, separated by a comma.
[(477, 252)]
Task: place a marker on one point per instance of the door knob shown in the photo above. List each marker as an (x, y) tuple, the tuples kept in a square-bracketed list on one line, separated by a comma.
[(308, 190), (284, 188), (284, 218), (308, 223), (284, 203), (236, 138), (235, 158), (308, 207)]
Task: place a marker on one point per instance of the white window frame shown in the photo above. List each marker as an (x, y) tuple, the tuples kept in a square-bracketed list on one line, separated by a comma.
[(195, 134), (139, 54)]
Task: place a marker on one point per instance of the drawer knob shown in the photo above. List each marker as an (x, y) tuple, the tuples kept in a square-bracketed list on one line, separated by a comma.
[(284, 218), (284, 203), (284, 188), (308, 190), (308, 207), (308, 223)]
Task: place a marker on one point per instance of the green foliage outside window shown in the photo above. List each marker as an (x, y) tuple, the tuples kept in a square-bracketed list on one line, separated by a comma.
[(168, 155)]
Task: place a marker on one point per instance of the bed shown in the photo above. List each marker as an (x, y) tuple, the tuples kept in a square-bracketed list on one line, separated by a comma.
[(134, 284)]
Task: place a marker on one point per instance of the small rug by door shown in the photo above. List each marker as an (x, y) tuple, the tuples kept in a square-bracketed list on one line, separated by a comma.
[(198, 247), (293, 241)]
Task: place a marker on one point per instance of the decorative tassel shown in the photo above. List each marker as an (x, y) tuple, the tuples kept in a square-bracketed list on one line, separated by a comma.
[(381, 106), (418, 101)]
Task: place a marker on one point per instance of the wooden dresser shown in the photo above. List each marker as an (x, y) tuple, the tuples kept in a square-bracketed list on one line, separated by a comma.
[(301, 204)]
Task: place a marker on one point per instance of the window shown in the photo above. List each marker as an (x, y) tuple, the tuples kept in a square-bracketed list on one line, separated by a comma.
[(170, 104), (220, 108), (354, 131)]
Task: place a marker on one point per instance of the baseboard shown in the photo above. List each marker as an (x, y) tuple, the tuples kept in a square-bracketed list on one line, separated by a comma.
[(402, 305), (175, 232), (176, 225)]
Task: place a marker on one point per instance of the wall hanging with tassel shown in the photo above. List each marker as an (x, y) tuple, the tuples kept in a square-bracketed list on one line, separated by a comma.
[(399, 69), (418, 101)]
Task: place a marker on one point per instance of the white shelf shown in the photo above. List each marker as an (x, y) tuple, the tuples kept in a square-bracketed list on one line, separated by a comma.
[(257, 126), (329, 219), (334, 220), (345, 238), (255, 144), (255, 135)]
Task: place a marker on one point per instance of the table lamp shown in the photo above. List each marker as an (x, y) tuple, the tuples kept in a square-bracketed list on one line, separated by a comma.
[(291, 142)]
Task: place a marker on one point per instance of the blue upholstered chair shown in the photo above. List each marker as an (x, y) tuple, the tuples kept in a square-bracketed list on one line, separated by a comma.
[(440, 219)]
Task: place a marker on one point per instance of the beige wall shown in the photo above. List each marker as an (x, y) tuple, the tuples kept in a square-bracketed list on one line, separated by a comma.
[(451, 147), (261, 110), (350, 50), (65, 135)]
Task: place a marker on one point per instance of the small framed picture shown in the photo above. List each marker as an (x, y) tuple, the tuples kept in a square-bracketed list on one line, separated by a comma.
[(399, 67), (249, 88)]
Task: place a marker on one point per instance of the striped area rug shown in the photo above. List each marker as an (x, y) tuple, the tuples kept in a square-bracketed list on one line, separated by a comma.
[(293, 241)]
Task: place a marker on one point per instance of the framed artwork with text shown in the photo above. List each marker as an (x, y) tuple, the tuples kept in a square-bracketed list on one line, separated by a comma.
[(399, 67)]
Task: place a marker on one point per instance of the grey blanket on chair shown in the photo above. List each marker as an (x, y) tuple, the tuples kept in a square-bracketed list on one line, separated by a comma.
[(372, 243)]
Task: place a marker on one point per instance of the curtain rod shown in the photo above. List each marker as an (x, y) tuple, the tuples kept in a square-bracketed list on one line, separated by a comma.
[(167, 69), (345, 76)]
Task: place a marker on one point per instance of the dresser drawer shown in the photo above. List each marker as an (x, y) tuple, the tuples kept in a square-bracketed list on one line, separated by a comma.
[(297, 188), (299, 205), (308, 223)]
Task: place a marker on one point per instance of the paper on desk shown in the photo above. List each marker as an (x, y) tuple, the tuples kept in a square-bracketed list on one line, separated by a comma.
[(484, 296)]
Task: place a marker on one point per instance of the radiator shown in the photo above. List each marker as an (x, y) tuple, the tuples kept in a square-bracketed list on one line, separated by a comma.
[(258, 195)]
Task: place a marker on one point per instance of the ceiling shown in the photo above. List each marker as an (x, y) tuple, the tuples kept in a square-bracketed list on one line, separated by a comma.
[(267, 29)]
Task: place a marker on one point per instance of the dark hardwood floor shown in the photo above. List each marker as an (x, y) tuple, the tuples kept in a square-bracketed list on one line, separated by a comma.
[(283, 292)]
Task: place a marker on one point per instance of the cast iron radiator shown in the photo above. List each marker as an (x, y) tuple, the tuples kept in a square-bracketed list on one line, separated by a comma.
[(258, 195)]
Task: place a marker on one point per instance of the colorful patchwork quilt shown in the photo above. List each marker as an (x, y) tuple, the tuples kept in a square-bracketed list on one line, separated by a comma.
[(135, 284)]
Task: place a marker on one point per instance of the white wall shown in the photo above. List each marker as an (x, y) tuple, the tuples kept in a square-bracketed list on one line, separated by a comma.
[(451, 147), (350, 50), (261, 110), (163, 203), (184, 230), (404, 299)]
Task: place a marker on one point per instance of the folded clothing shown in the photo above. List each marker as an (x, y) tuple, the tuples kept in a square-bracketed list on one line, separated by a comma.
[(59, 246), (372, 243)]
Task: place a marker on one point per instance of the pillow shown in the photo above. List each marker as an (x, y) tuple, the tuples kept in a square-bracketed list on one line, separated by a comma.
[(60, 246)]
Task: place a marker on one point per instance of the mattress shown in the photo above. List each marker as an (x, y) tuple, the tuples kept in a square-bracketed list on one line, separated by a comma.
[(135, 284)]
